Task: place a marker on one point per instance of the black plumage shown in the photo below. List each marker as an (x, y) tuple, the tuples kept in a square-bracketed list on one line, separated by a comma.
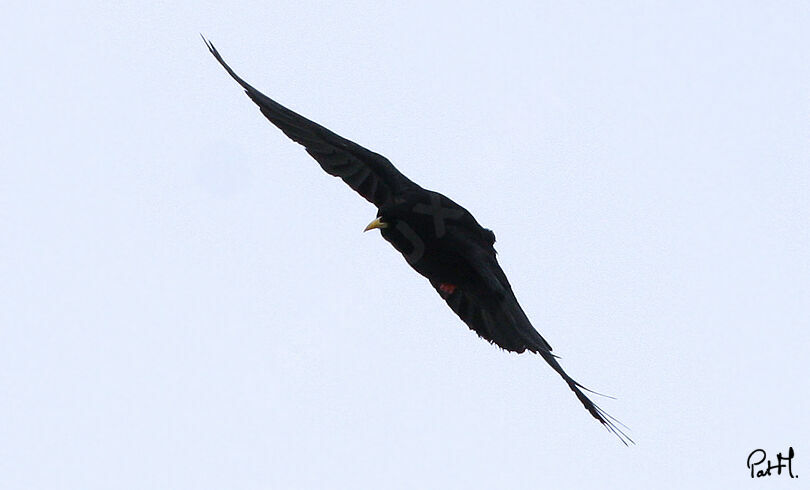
[(441, 240)]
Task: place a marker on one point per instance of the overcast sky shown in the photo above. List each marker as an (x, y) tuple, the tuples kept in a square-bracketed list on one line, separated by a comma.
[(187, 301)]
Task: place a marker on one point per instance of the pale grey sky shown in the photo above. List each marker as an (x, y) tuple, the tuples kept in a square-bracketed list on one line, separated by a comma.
[(187, 301)]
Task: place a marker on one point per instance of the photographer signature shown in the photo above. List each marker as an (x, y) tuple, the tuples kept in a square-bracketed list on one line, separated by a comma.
[(757, 458)]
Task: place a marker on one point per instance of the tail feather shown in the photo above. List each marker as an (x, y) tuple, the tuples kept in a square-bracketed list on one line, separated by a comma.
[(536, 343), (611, 423)]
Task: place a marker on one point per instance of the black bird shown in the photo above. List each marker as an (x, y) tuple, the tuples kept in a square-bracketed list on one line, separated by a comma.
[(438, 238)]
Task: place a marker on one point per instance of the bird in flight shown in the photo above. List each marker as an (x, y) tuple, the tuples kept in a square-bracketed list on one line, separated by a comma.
[(438, 238)]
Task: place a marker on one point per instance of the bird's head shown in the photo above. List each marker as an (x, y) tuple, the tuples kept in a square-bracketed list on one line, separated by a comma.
[(389, 217), (378, 222), (408, 225), (392, 217), (395, 227), (391, 221)]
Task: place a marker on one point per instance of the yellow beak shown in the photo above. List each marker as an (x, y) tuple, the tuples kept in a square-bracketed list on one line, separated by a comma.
[(376, 224)]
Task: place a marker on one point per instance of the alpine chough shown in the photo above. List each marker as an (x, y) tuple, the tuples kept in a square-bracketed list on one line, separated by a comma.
[(438, 238)]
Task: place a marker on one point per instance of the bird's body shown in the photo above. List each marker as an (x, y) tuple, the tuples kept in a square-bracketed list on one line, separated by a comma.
[(438, 238)]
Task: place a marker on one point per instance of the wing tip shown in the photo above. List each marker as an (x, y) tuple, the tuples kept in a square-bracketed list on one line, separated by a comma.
[(210, 46), (252, 92)]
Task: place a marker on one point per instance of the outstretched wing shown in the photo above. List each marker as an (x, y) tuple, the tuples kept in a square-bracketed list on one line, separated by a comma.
[(370, 174), (494, 313)]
